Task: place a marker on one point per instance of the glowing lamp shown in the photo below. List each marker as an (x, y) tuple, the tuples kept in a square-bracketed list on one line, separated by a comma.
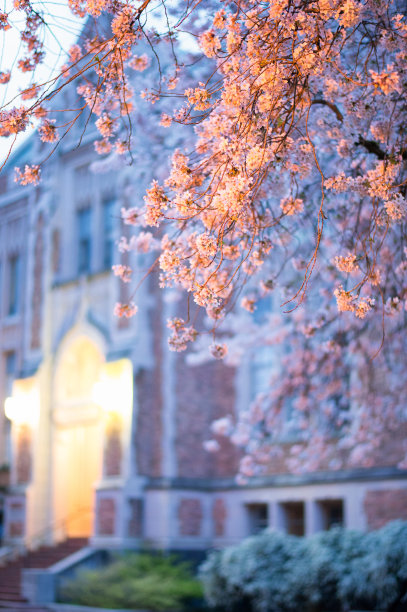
[(21, 410)]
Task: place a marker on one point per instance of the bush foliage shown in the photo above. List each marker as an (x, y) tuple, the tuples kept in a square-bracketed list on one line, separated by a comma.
[(146, 581), (333, 570)]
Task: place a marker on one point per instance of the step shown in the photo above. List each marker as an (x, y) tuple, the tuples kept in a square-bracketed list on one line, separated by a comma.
[(5, 606), (42, 558), (11, 597)]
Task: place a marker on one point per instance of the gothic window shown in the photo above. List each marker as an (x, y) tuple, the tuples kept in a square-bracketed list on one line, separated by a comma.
[(14, 282), (108, 232), (84, 218), (10, 367), (56, 252), (331, 513), (293, 515), (10, 371), (264, 358), (258, 517)]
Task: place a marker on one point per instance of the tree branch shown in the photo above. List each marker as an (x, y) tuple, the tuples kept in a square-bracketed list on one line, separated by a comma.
[(332, 106), (372, 147)]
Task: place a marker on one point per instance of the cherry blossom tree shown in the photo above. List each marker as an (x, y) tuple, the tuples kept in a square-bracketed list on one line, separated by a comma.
[(285, 222)]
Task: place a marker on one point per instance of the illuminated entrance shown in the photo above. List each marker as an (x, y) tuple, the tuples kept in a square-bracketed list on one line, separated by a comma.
[(77, 438)]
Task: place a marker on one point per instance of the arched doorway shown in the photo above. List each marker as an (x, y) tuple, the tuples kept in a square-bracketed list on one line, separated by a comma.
[(77, 438)]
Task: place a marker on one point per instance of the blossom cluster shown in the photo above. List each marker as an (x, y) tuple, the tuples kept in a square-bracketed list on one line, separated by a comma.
[(181, 335), (30, 175), (300, 157)]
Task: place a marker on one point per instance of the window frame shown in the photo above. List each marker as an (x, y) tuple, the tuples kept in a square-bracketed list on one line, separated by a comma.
[(84, 240), (108, 231), (14, 284)]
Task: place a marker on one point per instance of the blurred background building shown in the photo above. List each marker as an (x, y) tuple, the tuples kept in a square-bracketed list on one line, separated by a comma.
[(103, 431)]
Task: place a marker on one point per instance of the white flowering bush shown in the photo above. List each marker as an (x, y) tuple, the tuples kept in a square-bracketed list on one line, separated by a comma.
[(390, 565), (370, 568), (394, 547), (344, 561), (218, 588), (268, 572), (335, 570)]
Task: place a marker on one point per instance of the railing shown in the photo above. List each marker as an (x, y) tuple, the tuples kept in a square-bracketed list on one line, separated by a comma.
[(14, 550)]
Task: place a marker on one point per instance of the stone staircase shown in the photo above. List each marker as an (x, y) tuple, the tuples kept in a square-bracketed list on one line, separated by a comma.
[(5, 607), (41, 558)]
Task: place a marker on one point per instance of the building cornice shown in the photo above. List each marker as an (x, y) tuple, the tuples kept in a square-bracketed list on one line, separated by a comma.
[(280, 480)]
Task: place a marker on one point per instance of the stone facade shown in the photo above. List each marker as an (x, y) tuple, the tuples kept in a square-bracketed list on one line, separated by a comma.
[(113, 453), (23, 455), (135, 524), (37, 292)]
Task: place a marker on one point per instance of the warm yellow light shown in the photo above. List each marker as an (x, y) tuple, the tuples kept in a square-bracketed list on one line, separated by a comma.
[(114, 391), (10, 408), (21, 410), (98, 393)]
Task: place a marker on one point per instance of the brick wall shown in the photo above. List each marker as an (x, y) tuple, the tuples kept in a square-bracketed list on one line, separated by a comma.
[(203, 393), (190, 516), (384, 506), (219, 516), (392, 447), (106, 516), (148, 386), (388, 453), (15, 517), (16, 529), (4, 477)]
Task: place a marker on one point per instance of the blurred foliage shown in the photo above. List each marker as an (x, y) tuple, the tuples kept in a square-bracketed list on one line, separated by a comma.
[(333, 570), (147, 581)]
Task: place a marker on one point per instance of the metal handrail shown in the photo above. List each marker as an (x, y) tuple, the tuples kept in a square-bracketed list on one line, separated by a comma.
[(15, 550)]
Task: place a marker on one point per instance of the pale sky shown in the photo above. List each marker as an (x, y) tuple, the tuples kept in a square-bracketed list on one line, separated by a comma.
[(62, 32)]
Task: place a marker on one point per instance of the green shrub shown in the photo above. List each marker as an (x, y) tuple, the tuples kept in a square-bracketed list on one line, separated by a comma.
[(334, 570), (147, 581)]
